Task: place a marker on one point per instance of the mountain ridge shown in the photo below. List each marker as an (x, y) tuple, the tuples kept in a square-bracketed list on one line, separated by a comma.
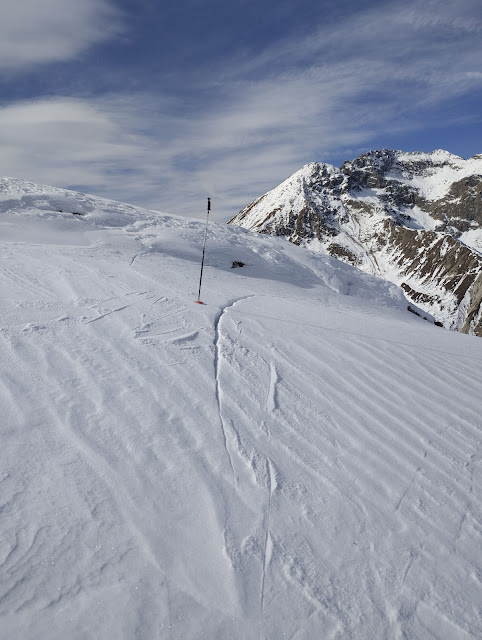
[(412, 218)]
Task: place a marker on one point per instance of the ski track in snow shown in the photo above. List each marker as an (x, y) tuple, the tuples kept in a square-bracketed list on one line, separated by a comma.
[(217, 334), (271, 399), (286, 462)]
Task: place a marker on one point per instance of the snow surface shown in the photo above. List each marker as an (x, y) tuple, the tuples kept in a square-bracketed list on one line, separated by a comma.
[(437, 179), (297, 458), (472, 239), (423, 220)]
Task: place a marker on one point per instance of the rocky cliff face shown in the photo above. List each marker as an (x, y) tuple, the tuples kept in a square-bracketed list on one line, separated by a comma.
[(412, 218)]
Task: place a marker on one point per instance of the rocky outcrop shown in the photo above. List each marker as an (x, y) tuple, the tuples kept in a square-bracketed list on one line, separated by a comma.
[(412, 218)]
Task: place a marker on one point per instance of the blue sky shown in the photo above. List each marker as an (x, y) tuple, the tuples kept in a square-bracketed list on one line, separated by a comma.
[(161, 104)]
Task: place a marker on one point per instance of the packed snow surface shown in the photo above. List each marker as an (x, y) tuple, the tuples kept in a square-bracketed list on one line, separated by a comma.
[(297, 458)]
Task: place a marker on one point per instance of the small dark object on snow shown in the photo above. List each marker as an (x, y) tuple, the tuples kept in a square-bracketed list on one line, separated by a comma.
[(237, 263)]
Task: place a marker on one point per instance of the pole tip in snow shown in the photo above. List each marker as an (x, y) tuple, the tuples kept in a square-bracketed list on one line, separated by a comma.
[(198, 302)]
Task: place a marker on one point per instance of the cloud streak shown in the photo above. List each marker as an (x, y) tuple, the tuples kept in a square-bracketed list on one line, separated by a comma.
[(334, 92), (35, 32)]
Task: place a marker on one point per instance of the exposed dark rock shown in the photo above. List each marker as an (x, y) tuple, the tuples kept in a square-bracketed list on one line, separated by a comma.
[(473, 319), (345, 254)]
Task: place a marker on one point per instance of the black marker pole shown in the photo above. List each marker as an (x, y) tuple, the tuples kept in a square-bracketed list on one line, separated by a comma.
[(198, 301)]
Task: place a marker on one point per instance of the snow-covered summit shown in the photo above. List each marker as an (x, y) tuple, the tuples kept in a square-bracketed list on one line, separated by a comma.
[(414, 219), (35, 201), (433, 174)]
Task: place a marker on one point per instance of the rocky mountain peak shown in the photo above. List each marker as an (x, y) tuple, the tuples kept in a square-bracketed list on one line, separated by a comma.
[(413, 218), (378, 161)]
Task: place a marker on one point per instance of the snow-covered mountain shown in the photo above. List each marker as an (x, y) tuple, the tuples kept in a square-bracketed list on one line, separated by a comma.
[(299, 457), (414, 219)]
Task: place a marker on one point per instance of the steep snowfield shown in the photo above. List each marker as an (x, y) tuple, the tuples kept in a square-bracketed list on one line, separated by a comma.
[(446, 169), (298, 458)]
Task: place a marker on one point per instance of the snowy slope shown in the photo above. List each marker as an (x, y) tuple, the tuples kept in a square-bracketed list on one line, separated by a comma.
[(440, 170), (299, 457)]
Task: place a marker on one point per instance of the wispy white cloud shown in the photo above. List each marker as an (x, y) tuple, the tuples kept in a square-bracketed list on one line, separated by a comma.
[(34, 32), (462, 16), (93, 144), (124, 147), (330, 93)]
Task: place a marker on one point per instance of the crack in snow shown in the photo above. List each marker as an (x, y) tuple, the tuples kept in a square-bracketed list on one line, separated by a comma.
[(138, 255), (268, 543), (217, 358), (271, 398)]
